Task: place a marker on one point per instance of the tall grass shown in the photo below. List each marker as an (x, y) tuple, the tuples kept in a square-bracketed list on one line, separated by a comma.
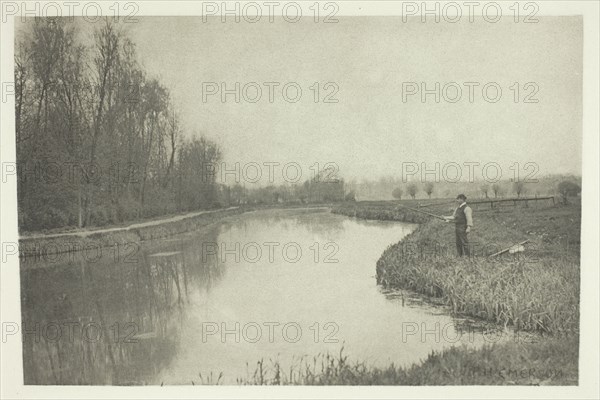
[(540, 297), (552, 362)]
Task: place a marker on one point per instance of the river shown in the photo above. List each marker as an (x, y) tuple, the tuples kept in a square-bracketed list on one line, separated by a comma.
[(276, 285)]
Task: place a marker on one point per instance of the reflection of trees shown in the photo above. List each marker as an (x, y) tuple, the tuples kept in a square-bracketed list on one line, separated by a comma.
[(314, 220), (320, 222), (118, 321)]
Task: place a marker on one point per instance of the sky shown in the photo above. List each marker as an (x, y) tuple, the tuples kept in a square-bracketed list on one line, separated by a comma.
[(371, 131)]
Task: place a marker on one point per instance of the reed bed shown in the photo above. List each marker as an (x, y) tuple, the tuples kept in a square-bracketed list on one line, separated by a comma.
[(535, 297)]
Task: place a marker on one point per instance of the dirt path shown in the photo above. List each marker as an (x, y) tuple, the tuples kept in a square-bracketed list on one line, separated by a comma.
[(84, 233)]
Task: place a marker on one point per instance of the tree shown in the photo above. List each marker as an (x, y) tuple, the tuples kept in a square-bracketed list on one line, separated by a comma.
[(496, 189), (397, 193), (107, 45), (51, 120), (412, 190), (429, 189), (485, 188), (198, 186), (173, 127), (519, 188), (568, 188), (237, 194)]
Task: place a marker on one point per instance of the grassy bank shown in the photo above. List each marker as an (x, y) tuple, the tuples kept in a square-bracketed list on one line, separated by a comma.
[(537, 289), (552, 362)]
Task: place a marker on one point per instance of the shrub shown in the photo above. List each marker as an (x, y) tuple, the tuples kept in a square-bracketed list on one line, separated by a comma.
[(568, 188)]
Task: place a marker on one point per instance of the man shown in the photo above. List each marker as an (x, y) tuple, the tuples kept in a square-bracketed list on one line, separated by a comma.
[(463, 222)]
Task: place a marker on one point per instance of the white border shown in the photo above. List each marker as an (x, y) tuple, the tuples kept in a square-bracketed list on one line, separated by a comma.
[(11, 365)]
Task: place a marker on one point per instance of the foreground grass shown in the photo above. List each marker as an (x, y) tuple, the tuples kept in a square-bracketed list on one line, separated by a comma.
[(551, 362)]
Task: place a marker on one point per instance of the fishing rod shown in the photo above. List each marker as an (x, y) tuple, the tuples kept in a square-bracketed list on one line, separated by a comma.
[(424, 212)]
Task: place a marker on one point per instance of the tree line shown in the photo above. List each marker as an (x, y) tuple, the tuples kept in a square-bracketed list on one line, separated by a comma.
[(98, 140), (387, 188), (315, 190)]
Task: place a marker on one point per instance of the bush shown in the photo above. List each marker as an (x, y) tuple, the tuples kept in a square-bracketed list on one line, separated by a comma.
[(568, 188)]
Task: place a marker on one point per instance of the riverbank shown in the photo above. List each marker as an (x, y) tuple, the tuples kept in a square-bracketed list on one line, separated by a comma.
[(48, 244), (536, 289)]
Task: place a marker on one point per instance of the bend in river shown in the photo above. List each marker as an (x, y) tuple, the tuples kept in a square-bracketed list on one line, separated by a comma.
[(273, 285)]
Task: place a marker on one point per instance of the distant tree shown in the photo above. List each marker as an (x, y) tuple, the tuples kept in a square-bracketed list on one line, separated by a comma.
[(197, 190), (237, 194), (276, 197), (519, 188), (412, 190), (429, 189), (351, 196), (496, 189), (568, 188), (397, 193), (485, 189)]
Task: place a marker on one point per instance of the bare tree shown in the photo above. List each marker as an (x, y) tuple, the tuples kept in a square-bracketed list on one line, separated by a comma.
[(429, 189), (519, 188), (496, 189), (485, 189), (173, 127), (412, 190)]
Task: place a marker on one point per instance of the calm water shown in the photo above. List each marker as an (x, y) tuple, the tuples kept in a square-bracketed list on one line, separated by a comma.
[(272, 285)]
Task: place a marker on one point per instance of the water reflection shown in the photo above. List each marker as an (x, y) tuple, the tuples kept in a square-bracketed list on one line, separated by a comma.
[(112, 320)]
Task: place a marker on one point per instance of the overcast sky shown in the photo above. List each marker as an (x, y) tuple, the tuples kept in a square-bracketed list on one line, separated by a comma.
[(370, 132)]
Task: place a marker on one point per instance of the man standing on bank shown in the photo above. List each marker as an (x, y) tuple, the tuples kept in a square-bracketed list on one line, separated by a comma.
[(463, 222)]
